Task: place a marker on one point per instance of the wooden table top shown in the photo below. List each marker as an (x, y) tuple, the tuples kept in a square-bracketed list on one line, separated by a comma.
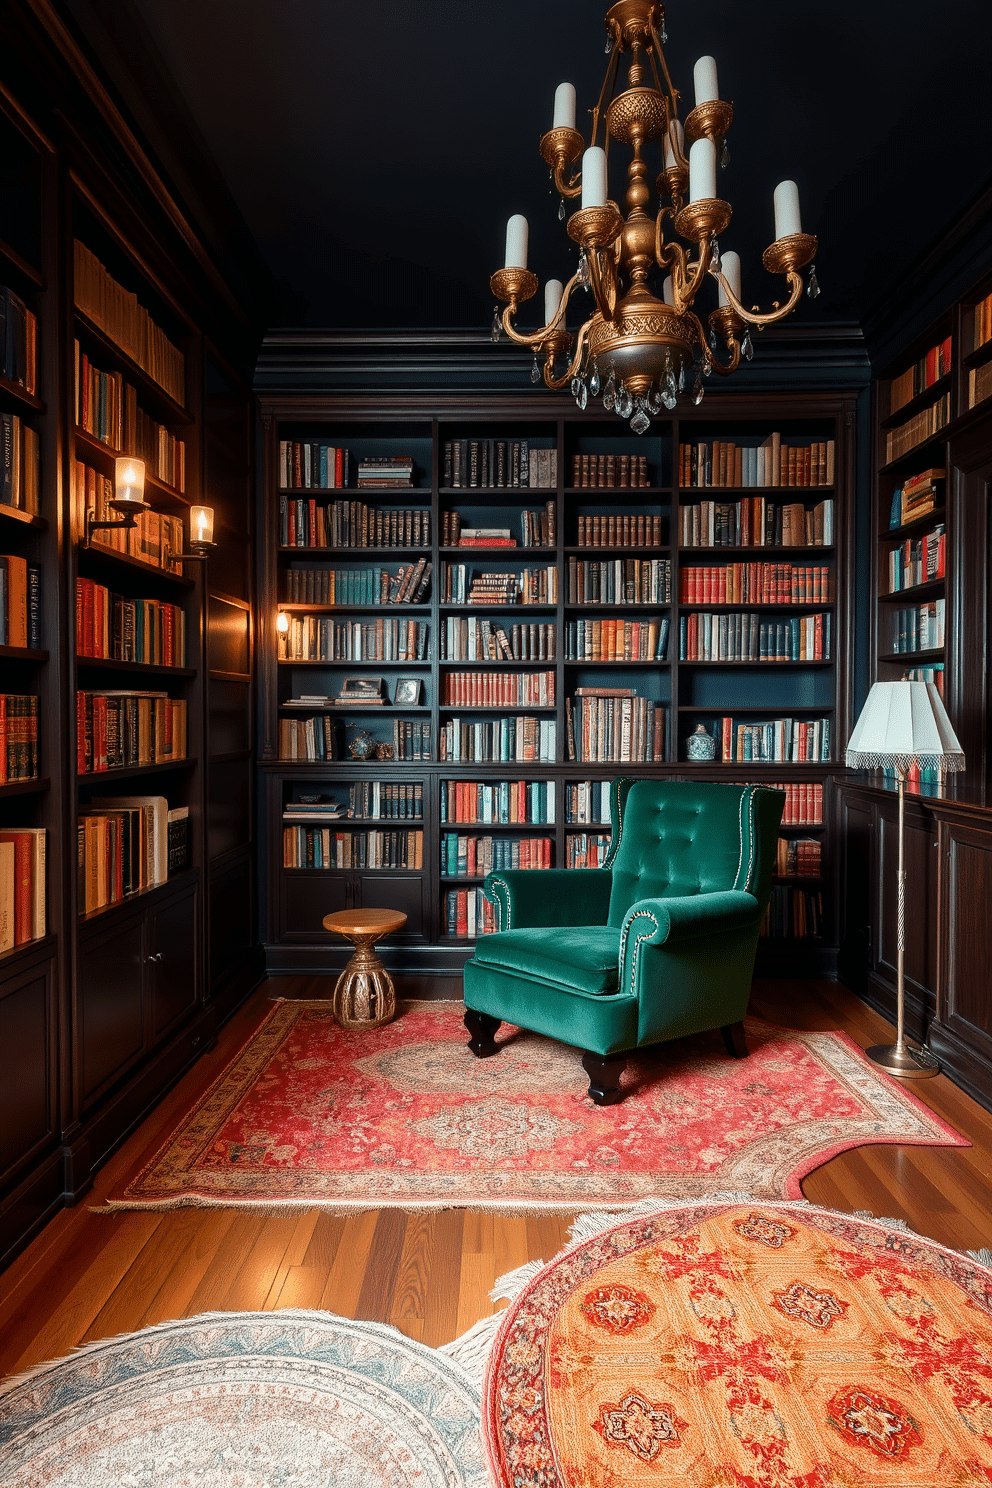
[(364, 921)]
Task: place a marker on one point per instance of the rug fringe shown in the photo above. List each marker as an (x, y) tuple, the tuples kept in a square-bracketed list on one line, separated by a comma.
[(472, 1349), (588, 1225)]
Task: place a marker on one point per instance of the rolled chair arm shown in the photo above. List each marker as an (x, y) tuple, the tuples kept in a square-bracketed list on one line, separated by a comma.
[(549, 897), (661, 920)]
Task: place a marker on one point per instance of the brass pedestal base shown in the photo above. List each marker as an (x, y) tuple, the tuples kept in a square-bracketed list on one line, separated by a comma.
[(903, 1061), (364, 996)]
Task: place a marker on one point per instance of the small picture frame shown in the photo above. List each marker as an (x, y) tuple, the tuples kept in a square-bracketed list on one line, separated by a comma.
[(407, 693)]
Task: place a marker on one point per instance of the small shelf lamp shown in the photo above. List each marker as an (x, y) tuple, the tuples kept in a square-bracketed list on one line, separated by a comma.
[(128, 498), (903, 724), (201, 536)]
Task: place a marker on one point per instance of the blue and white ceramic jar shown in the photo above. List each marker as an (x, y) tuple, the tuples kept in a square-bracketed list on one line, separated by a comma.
[(701, 745)]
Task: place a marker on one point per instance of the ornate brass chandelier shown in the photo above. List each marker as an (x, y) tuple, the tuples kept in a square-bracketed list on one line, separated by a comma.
[(640, 350)]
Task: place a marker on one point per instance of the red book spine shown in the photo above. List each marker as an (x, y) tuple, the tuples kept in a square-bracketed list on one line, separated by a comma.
[(23, 907), (3, 738), (338, 468)]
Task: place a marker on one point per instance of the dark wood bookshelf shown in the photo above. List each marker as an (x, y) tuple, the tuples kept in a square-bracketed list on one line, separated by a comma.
[(23, 653), (13, 392), (141, 668), (15, 514), (919, 401), (152, 397)]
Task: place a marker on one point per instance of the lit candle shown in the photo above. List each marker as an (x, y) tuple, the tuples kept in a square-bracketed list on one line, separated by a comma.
[(702, 171), (553, 292), (704, 80), (675, 137), (129, 479), (564, 107), (730, 265), (516, 242), (201, 524), (282, 622), (594, 177), (668, 290), (786, 200)]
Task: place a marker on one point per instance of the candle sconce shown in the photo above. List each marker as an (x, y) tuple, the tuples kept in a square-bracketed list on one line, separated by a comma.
[(201, 520), (128, 498)]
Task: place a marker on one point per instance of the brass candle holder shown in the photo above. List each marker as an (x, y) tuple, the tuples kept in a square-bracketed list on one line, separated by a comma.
[(561, 148), (709, 121), (703, 219), (513, 285), (595, 227), (790, 254)]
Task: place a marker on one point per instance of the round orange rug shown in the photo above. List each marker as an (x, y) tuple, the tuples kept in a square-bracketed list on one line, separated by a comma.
[(758, 1346)]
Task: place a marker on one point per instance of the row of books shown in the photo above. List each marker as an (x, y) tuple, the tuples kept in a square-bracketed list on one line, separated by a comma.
[(917, 497), (917, 561), (18, 737), (920, 427), (609, 471), (979, 384), (614, 724), (720, 462), (406, 584), (107, 408), (538, 529), (616, 640), (621, 530), (380, 800), (756, 583), (936, 363), (756, 522), (18, 341), (587, 801), (587, 849), (499, 802), (796, 741), (380, 472), (357, 640), (306, 523), (983, 322), (411, 741), (154, 537), (117, 312), (22, 886), (920, 628), (468, 914), (127, 844), (934, 674), (464, 638), (499, 689), (124, 729), (705, 636), (474, 857), (463, 584), (619, 581), (793, 914), (798, 857), (307, 738), (502, 463), (803, 803), (312, 464), (20, 465), (20, 601), (526, 740), (121, 629), (321, 847)]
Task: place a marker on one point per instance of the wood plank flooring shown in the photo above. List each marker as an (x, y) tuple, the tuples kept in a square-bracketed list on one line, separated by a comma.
[(90, 1276)]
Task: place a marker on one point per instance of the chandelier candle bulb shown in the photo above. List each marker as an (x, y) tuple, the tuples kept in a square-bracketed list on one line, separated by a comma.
[(668, 290), (594, 177), (517, 232), (704, 81), (702, 170), (553, 292), (564, 117), (730, 267), (675, 137), (786, 201)]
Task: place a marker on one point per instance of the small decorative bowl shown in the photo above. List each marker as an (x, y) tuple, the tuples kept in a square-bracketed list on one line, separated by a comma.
[(701, 745)]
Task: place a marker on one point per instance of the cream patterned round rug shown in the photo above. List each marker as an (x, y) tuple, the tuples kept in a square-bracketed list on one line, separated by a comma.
[(245, 1400)]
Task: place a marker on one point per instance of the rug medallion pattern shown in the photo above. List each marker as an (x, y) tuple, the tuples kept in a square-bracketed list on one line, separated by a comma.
[(309, 1113), (778, 1347)]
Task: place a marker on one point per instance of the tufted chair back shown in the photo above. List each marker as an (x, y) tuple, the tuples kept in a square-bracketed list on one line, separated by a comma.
[(674, 838)]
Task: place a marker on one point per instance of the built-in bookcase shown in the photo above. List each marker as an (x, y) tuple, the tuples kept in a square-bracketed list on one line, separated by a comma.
[(596, 574)]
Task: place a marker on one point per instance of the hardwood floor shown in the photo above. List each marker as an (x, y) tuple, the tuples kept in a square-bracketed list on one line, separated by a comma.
[(90, 1276)]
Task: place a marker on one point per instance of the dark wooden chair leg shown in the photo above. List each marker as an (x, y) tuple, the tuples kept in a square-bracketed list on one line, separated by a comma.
[(604, 1073), (733, 1037), (483, 1030)]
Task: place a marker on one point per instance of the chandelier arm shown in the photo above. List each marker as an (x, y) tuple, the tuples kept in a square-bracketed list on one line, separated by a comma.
[(603, 281), (536, 338), (606, 90), (673, 92), (696, 271), (580, 350), (753, 317), (572, 188), (664, 253)]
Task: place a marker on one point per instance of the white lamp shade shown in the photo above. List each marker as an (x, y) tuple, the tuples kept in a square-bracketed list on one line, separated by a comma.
[(903, 724)]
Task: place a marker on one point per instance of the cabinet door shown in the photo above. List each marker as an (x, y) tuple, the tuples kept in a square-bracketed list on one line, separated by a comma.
[(967, 914), (857, 859), (399, 891), (173, 962), (307, 898), (110, 1006), (27, 1067)]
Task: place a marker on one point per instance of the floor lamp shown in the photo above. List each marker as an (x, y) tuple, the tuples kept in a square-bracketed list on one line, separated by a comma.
[(903, 724)]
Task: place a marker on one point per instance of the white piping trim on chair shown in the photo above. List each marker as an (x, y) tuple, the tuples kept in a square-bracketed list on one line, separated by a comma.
[(641, 914), (505, 886)]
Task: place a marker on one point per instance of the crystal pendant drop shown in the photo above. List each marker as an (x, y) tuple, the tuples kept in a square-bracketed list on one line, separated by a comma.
[(625, 401), (580, 392), (707, 370), (582, 273), (668, 388), (747, 345), (670, 401), (724, 155), (663, 34), (495, 328), (640, 423), (609, 45), (653, 401), (561, 210), (697, 390), (535, 371), (813, 287), (715, 254), (610, 394), (713, 340), (681, 386), (594, 380)]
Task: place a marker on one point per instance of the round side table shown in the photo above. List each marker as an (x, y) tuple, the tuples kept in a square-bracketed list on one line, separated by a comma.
[(364, 996)]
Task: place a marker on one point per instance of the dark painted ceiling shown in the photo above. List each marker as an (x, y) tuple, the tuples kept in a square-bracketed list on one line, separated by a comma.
[(376, 149)]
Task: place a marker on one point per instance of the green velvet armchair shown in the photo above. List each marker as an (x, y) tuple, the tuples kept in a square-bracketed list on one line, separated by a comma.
[(657, 945)]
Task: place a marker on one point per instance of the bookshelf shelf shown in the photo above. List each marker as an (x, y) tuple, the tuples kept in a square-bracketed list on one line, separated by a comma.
[(931, 589), (25, 787), (919, 454), (755, 554), (23, 653), (764, 609), (617, 551), (921, 400), (144, 899), (150, 395), (9, 256), (914, 529), (759, 662), (326, 609), (105, 561), (140, 668), (767, 710), (12, 392), (912, 658), (343, 554), (14, 514), (979, 356), (120, 772), (98, 449)]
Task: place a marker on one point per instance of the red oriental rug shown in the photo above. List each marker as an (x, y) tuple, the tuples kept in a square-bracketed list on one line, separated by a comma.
[(311, 1114), (745, 1346)]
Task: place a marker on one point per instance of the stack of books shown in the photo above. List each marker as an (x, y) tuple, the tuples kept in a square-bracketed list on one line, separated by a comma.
[(803, 802), (920, 628), (468, 914), (917, 561), (785, 740), (463, 585), (120, 629), (375, 800), (22, 886), (118, 312), (320, 847), (385, 471), (588, 801), (917, 496), (355, 640), (107, 408), (523, 739), (756, 522), (406, 584), (125, 729), (916, 430), (308, 738), (620, 581), (616, 640), (312, 465), (305, 522), (123, 848), (485, 537)]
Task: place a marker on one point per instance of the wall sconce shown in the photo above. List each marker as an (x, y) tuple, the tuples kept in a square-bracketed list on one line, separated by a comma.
[(201, 536), (128, 497), (282, 622)]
